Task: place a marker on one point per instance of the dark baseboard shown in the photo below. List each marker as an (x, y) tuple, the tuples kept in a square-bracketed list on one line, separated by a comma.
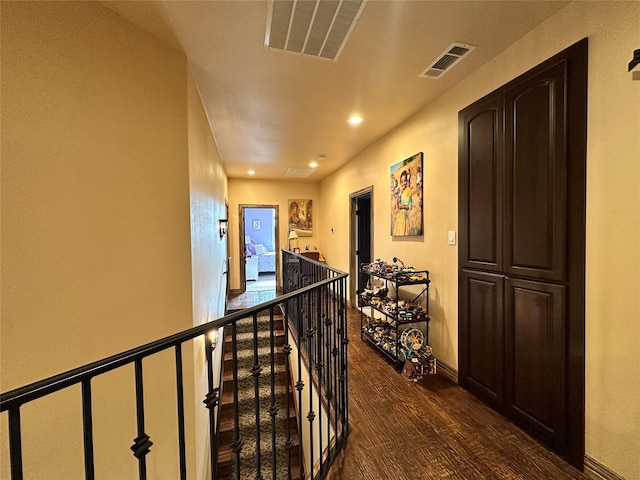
[(447, 371), (596, 470)]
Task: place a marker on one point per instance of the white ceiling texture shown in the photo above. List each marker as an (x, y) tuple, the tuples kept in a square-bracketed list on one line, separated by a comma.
[(274, 111)]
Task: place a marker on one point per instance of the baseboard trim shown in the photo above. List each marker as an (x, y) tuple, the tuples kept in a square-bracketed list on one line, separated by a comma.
[(596, 470), (447, 371)]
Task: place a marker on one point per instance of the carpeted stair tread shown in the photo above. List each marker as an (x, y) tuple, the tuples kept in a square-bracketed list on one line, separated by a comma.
[(285, 421)]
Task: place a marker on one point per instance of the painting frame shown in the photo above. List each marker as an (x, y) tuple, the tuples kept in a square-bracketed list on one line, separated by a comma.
[(406, 188), (300, 216), (256, 225)]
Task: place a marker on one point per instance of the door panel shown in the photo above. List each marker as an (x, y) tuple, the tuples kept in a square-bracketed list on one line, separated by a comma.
[(535, 348), (482, 329), (535, 176), (481, 172)]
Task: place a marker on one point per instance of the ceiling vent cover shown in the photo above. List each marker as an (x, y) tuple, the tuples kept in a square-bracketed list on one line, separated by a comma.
[(446, 60), (299, 172), (318, 28)]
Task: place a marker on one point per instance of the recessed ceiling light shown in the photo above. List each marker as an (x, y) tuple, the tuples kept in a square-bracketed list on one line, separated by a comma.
[(251, 172), (355, 120), (313, 164)]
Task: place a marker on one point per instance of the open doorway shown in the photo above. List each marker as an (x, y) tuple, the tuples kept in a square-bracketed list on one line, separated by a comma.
[(360, 239), (259, 246)]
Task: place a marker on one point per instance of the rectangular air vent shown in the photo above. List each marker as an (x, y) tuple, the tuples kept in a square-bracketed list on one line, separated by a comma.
[(299, 172), (318, 28), (446, 60)]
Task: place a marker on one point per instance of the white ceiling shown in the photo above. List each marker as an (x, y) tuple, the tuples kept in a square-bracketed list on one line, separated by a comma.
[(272, 110)]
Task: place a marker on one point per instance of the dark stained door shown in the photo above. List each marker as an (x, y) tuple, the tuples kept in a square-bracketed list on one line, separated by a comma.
[(522, 230), (363, 242)]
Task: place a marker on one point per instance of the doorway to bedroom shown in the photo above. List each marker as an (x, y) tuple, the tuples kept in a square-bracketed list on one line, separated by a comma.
[(260, 251)]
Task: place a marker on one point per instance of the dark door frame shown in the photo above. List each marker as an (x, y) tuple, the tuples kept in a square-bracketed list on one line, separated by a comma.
[(353, 237), (241, 246)]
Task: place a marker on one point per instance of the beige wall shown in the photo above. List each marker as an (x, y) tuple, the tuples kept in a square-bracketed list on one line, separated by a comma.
[(613, 211), (265, 192), (95, 226), (208, 192)]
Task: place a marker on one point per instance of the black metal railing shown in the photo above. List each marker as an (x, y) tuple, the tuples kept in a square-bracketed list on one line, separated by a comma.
[(318, 322), (316, 307)]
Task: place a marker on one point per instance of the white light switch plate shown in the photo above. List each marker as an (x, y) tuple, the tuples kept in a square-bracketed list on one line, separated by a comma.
[(452, 237)]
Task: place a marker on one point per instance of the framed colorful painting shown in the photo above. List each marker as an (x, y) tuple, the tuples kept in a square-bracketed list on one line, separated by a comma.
[(406, 197), (301, 217)]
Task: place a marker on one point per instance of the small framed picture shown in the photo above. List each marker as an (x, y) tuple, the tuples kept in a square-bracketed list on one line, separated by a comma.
[(256, 224), (296, 249)]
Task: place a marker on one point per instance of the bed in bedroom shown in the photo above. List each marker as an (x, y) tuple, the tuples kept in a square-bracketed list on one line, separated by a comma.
[(266, 259)]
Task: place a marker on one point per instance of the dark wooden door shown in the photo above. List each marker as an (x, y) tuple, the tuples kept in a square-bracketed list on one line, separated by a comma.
[(363, 242), (521, 212)]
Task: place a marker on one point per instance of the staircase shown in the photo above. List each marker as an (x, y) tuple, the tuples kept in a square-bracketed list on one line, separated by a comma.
[(284, 428)]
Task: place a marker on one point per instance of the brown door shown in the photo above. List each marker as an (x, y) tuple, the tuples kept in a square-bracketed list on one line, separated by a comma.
[(522, 210)]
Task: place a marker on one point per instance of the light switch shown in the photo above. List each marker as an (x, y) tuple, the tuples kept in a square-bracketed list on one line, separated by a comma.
[(452, 237)]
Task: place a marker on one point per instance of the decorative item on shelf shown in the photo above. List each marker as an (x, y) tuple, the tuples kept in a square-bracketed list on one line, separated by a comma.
[(412, 339), (396, 260), (222, 226), (410, 371)]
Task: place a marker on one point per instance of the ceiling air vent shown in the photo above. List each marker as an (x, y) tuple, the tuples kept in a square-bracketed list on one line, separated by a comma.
[(299, 172), (447, 59), (318, 28)]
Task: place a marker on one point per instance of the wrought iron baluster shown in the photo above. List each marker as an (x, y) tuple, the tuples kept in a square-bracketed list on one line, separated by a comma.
[(286, 350), (236, 445), (180, 404), (211, 400), (273, 409), (15, 443), (336, 363), (343, 316), (142, 443), (311, 357), (319, 327), (87, 430), (299, 387), (328, 364), (255, 372)]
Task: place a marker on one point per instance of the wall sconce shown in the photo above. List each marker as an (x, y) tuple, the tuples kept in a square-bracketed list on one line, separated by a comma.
[(213, 338), (635, 61), (292, 236), (222, 226)]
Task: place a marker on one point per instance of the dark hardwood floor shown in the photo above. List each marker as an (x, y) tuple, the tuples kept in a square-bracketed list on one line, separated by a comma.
[(432, 429)]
